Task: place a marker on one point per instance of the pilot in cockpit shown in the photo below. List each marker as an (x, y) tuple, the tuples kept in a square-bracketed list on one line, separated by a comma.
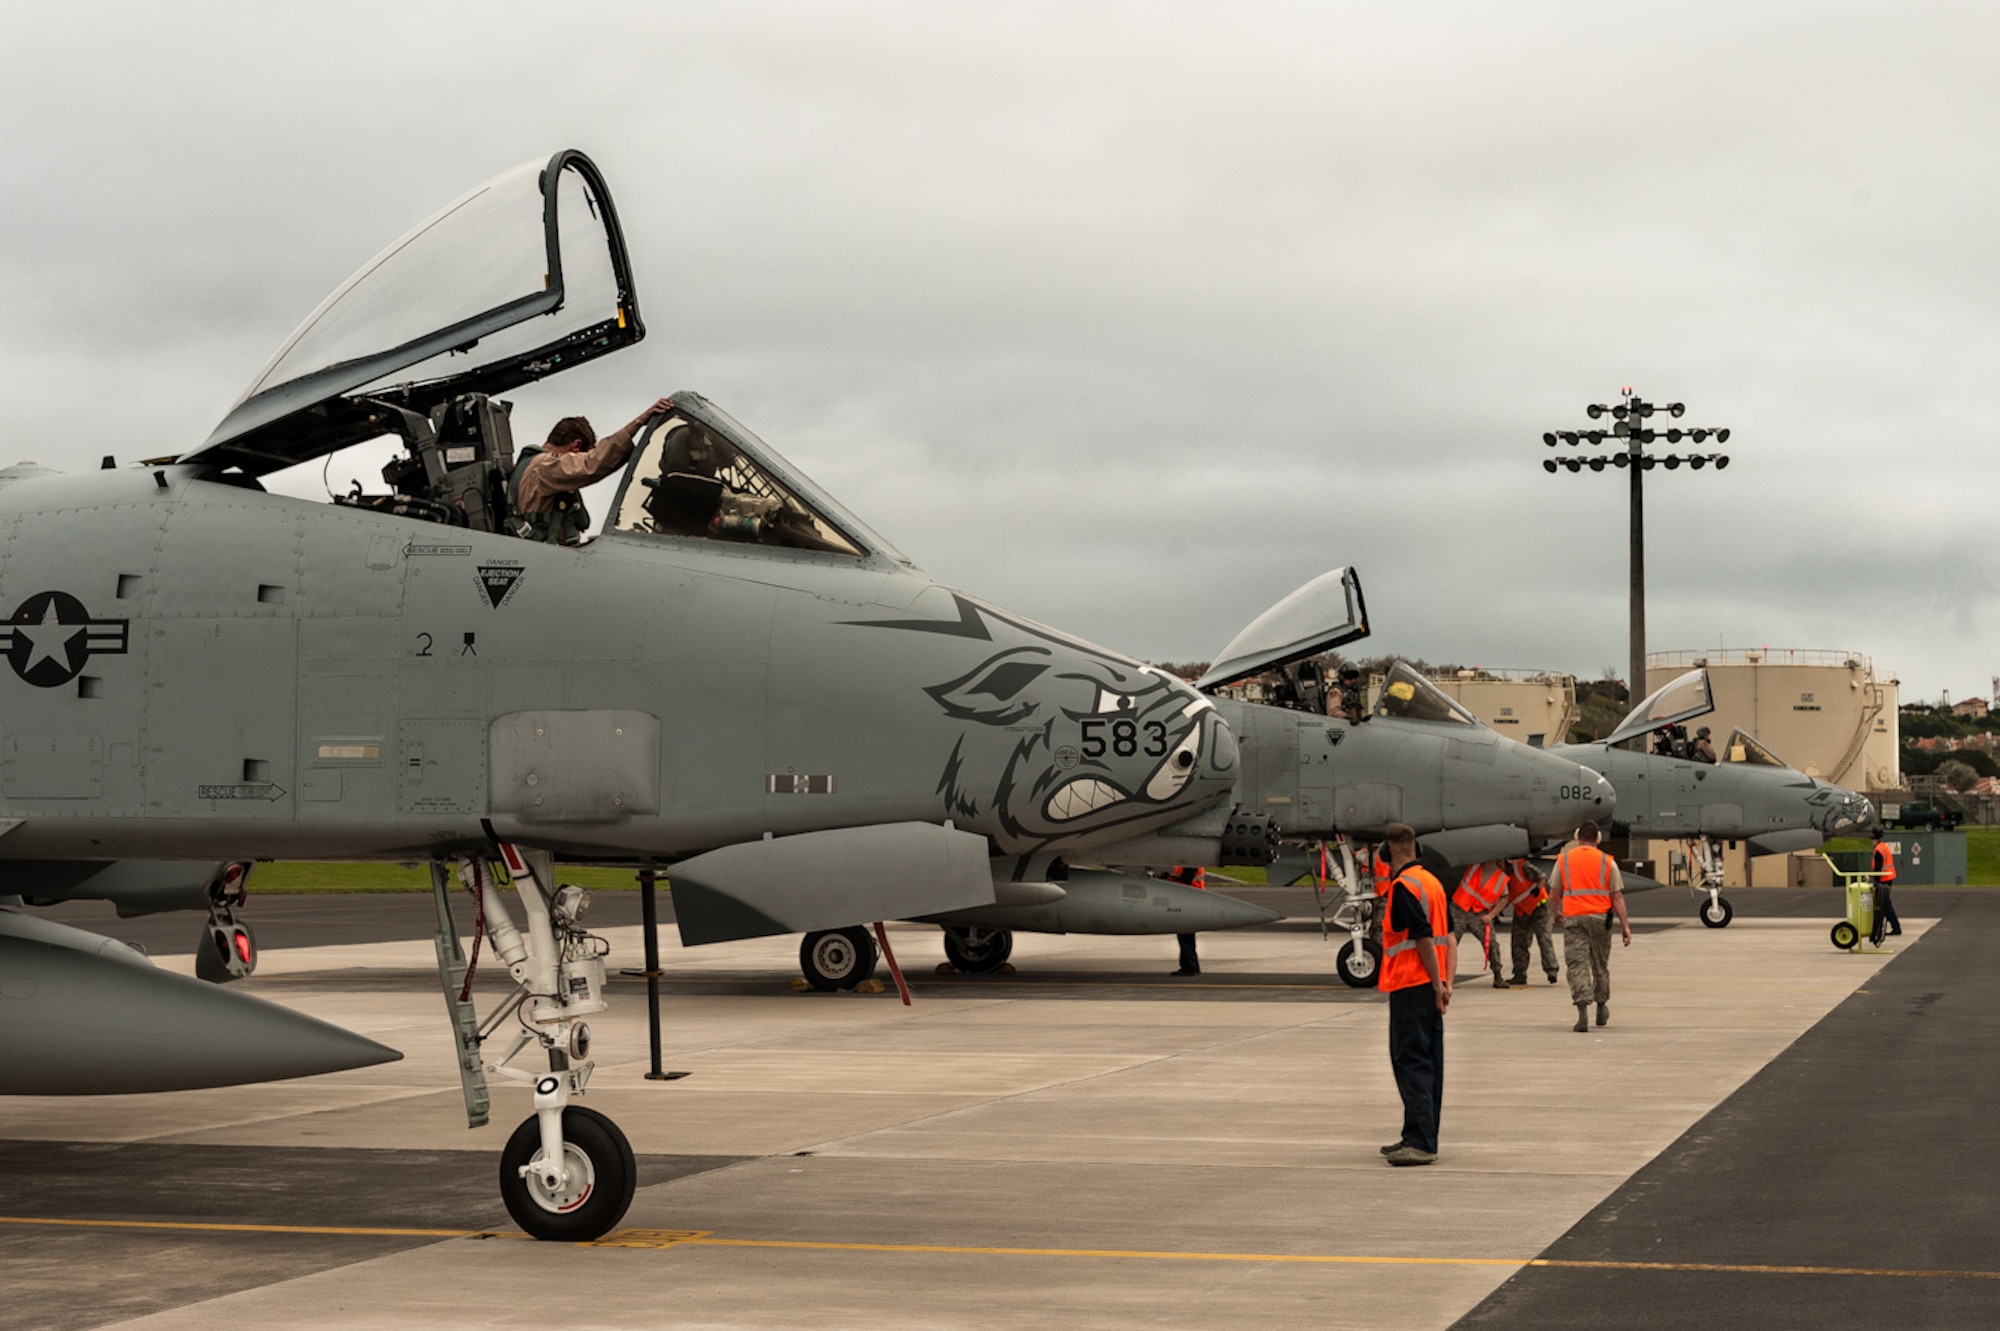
[(543, 493)]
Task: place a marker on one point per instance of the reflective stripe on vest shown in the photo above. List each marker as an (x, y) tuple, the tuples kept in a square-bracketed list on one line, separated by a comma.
[(1480, 887), (1524, 894), (1401, 967), (1586, 872), (1885, 862)]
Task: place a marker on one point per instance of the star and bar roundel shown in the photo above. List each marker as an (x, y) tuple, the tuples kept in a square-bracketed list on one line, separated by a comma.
[(50, 637)]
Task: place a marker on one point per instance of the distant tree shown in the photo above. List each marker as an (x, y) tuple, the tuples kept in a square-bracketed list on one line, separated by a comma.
[(1957, 774)]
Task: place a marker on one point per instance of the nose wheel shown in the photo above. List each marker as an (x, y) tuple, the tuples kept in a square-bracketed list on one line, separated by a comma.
[(1359, 962), (1716, 912), (585, 1197)]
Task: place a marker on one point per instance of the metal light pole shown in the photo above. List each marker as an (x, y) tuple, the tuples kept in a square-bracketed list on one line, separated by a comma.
[(1629, 434)]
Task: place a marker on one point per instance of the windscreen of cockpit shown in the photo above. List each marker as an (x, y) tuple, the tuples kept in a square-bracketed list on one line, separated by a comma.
[(690, 479), (1409, 696), (1742, 748)]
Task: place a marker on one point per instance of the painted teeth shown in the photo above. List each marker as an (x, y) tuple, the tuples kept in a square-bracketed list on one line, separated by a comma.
[(1082, 796)]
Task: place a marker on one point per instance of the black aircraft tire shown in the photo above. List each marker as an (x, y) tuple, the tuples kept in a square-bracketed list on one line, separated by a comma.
[(614, 1175), (837, 958), (1360, 964), (1845, 936), (1718, 913), (978, 951)]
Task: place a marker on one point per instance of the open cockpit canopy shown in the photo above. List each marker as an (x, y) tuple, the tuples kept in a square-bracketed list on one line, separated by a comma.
[(699, 474), (1743, 747), (523, 277), (1680, 699), (1408, 696), (1326, 613)]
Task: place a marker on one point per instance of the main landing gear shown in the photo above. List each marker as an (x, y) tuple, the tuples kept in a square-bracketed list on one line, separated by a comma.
[(567, 1173), (977, 951), (837, 958)]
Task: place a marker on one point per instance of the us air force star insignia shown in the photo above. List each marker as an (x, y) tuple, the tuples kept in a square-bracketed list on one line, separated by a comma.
[(50, 637)]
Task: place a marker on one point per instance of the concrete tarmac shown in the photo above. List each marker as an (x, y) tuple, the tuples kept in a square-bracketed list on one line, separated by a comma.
[(1054, 1147)]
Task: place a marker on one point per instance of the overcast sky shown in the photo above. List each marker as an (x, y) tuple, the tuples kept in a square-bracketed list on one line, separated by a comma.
[(1133, 317)]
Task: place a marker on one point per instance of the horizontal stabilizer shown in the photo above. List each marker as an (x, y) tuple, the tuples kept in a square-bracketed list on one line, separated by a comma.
[(76, 1023), (829, 880)]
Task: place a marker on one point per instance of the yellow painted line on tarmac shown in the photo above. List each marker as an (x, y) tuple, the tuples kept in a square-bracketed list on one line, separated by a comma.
[(657, 1239), (218, 1227)]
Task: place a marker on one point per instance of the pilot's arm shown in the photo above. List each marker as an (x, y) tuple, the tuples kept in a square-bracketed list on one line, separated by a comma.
[(575, 471)]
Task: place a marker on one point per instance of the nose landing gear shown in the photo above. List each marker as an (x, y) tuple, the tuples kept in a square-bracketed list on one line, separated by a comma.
[(567, 1174), (1705, 854)]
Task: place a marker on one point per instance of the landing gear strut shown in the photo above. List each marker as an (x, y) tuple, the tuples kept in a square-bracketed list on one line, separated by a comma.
[(1359, 964), (1705, 855), (567, 1173)]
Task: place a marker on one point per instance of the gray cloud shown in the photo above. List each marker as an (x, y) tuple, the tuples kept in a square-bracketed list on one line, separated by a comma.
[(1132, 317)]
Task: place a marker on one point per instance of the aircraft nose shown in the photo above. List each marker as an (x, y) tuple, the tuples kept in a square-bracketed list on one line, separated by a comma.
[(1567, 794), (1850, 815)]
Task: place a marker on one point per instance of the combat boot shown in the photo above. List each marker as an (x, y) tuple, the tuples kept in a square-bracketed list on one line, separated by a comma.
[(1603, 1013), (1582, 1017)]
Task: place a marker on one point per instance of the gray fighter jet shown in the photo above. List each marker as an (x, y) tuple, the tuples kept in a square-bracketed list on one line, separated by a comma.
[(739, 679), (1749, 795), (1306, 777)]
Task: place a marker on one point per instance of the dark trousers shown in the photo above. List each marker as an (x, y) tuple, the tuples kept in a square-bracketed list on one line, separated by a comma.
[(1416, 1053), (1885, 914), (1190, 961)]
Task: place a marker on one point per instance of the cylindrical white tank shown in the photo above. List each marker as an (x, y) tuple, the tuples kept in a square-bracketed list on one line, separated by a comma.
[(1825, 713), (1536, 707)]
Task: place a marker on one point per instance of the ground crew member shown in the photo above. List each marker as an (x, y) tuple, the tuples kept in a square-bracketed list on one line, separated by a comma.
[(1417, 966), (1529, 897), (1885, 907), (1196, 878), (543, 489), (1587, 883), (1474, 903)]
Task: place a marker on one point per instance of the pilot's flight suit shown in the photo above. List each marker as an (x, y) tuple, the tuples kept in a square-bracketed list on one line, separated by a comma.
[(544, 488)]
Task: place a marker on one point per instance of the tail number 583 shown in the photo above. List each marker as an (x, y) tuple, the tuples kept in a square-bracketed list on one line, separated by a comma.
[(1124, 737)]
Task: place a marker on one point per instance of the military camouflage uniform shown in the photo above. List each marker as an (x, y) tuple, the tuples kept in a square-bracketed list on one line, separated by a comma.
[(1587, 958), (1528, 929)]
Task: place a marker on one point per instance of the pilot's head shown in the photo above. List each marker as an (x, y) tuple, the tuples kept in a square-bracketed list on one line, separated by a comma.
[(1702, 733), (571, 434)]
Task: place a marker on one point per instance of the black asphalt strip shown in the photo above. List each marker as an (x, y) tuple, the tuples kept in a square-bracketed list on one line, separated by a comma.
[(1865, 1152)]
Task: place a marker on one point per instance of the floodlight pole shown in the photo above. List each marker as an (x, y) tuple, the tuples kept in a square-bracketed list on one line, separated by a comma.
[(1637, 688), (1629, 428)]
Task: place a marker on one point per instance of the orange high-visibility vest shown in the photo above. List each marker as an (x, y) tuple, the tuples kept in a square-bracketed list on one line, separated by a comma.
[(1196, 877), (1885, 863), (1524, 894), (1480, 887), (1382, 878), (1401, 968), (1586, 872)]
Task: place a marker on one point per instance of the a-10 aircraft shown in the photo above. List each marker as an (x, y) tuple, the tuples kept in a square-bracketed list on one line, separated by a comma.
[(1749, 795), (738, 679)]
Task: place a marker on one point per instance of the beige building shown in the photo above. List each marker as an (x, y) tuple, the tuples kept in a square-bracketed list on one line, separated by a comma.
[(1536, 707), (1826, 713)]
